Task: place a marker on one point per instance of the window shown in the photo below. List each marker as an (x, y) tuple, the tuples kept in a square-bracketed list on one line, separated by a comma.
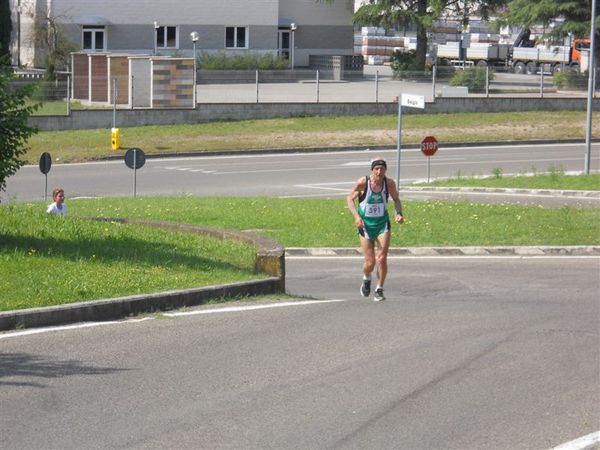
[(582, 46), (236, 37), (166, 37), (93, 38)]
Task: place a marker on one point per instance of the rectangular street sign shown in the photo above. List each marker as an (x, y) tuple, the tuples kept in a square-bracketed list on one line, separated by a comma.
[(413, 101)]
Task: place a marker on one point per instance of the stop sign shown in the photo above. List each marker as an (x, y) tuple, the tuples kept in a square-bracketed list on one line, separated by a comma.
[(429, 145)]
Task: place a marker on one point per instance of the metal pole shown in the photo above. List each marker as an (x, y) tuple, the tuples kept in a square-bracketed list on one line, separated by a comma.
[(195, 75), (428, 168), (46, 187), (131, 100), (114, 103), (487, 81), (293, 45), (433, 81), (134, 171), (257, 86), (399, 141), (317, 86), (68, 95), (377, 86), (542, 82), (588, 134)]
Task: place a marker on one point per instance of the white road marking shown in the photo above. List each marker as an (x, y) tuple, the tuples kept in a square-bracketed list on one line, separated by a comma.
[(249, 307), (13, 334), (584, 442)]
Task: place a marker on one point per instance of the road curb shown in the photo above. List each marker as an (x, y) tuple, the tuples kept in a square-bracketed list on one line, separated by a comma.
[(120, 307), (575, 250), (538, 192), (350, 148)]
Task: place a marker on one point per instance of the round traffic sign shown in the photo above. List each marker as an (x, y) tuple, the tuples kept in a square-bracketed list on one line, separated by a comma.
[(45, 163), (135, 158), (429, 145)]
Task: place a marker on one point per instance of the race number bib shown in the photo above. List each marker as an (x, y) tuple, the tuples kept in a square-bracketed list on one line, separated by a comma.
[(374, 210)]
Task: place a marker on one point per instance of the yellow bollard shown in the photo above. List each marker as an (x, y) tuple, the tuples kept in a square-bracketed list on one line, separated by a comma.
[(115, 139)]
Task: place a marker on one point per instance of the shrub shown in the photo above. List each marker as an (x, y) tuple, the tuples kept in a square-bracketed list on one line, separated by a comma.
[(570, 79), (403, 65), (474, 78), (221, 61)]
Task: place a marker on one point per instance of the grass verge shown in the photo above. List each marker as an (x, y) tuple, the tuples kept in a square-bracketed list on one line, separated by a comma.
[(555, 179), (328, 223), (85, 145), (47, 260)]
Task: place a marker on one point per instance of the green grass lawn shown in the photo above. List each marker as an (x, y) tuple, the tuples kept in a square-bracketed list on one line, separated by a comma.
[(553, 180), (85, 145), (47, 260), (328, 223)]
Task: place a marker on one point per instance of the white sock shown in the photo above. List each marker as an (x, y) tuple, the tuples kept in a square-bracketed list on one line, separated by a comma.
[(365, 277)]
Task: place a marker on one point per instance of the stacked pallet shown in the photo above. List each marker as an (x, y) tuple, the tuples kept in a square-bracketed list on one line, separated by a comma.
[(375, 46)]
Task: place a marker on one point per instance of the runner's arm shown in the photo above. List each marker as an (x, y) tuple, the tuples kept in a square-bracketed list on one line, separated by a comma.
[(357, 189), (399, 217)]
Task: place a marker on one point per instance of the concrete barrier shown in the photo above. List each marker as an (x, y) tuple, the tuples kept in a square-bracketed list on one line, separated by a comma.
[(82, 119)]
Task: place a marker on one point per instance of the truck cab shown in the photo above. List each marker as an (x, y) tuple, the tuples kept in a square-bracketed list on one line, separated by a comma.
[(579, 45)]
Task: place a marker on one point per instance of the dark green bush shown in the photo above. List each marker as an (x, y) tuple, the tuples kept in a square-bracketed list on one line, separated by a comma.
[(221, 61), (403, 63), (570, 79), (473, 78)]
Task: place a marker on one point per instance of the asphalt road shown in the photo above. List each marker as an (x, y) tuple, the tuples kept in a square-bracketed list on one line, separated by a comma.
[(328, 174), (486, 353)]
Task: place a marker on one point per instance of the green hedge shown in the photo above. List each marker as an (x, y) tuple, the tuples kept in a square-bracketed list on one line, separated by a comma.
[(221, 61)]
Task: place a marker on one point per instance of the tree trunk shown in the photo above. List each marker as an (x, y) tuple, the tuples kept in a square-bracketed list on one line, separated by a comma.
[(421, 36)]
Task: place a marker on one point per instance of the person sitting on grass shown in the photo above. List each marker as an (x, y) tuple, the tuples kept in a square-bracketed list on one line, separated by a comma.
[(58, 208)]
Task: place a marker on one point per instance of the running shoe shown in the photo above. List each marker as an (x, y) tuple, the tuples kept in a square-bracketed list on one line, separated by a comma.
[(379, 297), (365, 288)]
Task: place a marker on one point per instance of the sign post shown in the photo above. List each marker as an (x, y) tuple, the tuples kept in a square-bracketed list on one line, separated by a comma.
[(429, 145), (45, 165), (135, 158), (411, 101)]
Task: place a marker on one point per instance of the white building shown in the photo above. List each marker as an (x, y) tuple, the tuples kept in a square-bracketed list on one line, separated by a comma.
[(297, 28)]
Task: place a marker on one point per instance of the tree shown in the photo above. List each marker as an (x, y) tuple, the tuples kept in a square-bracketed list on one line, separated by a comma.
[(5, 27), (51, 40), (399, 14), (14, 129), (575, 15)]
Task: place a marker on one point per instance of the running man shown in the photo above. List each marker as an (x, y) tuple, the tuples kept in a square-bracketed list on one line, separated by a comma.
[(373, 222)]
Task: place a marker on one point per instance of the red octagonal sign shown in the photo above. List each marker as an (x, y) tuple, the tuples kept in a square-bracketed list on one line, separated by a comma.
[(429, 145)]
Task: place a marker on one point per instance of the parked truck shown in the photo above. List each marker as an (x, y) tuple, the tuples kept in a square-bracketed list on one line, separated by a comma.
[(522, 57)]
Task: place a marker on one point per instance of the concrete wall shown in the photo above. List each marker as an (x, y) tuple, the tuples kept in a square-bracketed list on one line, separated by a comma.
[(242, 111)]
